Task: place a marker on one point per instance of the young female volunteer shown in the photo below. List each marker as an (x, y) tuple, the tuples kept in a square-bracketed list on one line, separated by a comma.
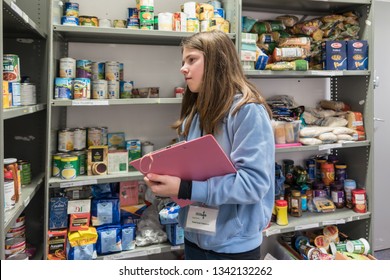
[(219, 100)]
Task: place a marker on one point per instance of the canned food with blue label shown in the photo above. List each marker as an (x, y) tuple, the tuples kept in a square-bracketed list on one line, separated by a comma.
[(84, 68), (71, 9), (63, 88), (70, 21), (81, 88)]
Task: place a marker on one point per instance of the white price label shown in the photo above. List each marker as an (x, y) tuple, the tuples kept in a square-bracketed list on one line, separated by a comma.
[(174, 248), (315, 225), (270, 232), (333, 222), (90, 102), (154, 251), (330, 146), (26, 201), (78, 183)]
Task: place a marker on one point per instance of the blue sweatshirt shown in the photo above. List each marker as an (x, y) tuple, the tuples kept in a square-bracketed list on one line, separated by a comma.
[(244, 199)]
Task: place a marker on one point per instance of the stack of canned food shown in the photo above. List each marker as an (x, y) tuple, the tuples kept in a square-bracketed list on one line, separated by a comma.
[(16, 91)]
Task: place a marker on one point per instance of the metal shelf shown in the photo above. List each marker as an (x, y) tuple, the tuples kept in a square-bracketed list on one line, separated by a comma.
[(18, 24), (314, 220), (96, 179), (324, 147), (314, 7), (108, 102), (304, 74), (143, 251), (28, 193), (87, 34), (23, 110)]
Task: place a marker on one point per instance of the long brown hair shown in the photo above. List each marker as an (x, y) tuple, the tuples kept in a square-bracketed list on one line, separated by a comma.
[(223, 78)]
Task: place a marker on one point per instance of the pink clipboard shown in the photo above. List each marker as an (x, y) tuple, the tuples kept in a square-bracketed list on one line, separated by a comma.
[(198, 159)]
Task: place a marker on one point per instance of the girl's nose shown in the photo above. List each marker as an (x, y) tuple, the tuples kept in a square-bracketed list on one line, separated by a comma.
[(183, 69)]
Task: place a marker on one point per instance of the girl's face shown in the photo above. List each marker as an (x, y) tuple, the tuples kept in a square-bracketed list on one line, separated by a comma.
[(193, 68)]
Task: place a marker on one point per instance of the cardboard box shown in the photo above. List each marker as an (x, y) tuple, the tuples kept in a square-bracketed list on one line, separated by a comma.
[(334, 55), (97, 160), (58, 215), (79, 221), (116, 140), (118, 162), (357, 55), (134, 151), (128, 193), (79, 206)]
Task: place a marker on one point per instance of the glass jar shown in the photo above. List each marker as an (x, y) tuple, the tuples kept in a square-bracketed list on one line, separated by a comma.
[(337, 192), (296, 203)]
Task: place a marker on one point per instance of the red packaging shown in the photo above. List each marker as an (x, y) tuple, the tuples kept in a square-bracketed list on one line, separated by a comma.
[(359, 201)]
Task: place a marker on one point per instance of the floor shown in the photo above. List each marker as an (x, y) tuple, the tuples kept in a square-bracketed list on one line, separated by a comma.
[(382, 255)]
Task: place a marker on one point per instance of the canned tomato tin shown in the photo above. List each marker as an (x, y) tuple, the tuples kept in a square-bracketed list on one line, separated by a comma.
[(56, 164), (65, 140), (98, 70), (84, 68), (82, 158), (112, 71), (14, 91), (99, 89), (28, 94), (81, 88), (126, 88), (63, 88), (94, 137), (67, 67), (79, 138), (70, 21), (25, 172), (113, 89), (69, 167), (89, 21), (11, 68)]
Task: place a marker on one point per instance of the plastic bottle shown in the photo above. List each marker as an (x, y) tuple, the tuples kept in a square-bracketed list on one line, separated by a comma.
[(281, 212)]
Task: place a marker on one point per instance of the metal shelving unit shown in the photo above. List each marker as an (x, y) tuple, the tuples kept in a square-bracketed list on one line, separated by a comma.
[(22, 129), (109, 102), (354, 88)]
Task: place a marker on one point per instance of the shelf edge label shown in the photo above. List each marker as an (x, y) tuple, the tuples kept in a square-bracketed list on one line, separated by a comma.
[(77, 183)]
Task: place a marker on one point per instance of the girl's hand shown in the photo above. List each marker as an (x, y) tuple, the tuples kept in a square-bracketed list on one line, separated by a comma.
[(163, 185)]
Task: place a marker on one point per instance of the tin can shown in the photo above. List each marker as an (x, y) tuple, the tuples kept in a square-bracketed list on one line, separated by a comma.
[(104, 130), (133, 23), (119, 23), (89, 21), (14, 91), (105, 22), (165, 21), (360, 246), (65, 140), (98, 70), (192, 25), (191, 9), (179, 92), (69, 21), (99, 89), (112, 71), (67, 67), (215, 4), (338, 247), (84, 68), (69, 167), (63, 88), (14, 246), (154, 92), (121, 71), (94, 137), (82, 158), (71, 9), (206, 11), (79, 138), (146, 147), (311, 170), (125, 89), (9, 194), (11, 165), (25, 172), (133, 12), (113, 89), (81, 88), (7, 102), (56, 164), (28, 95), (180, 22), (219, 13), (11, 68), (205, 25), (349, 186)]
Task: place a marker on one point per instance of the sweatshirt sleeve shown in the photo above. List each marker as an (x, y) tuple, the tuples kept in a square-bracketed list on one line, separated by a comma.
[(252, 154)]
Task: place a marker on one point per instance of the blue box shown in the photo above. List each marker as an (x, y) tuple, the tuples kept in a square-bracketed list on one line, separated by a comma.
[(357, 54), (334, 55), (58, 212), (175, 234)]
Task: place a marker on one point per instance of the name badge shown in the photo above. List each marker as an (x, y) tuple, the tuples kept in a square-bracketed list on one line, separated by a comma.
[(202, 219)]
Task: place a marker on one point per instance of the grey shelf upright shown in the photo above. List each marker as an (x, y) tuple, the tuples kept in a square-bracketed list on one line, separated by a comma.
[(354, 88), (23, 26)]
